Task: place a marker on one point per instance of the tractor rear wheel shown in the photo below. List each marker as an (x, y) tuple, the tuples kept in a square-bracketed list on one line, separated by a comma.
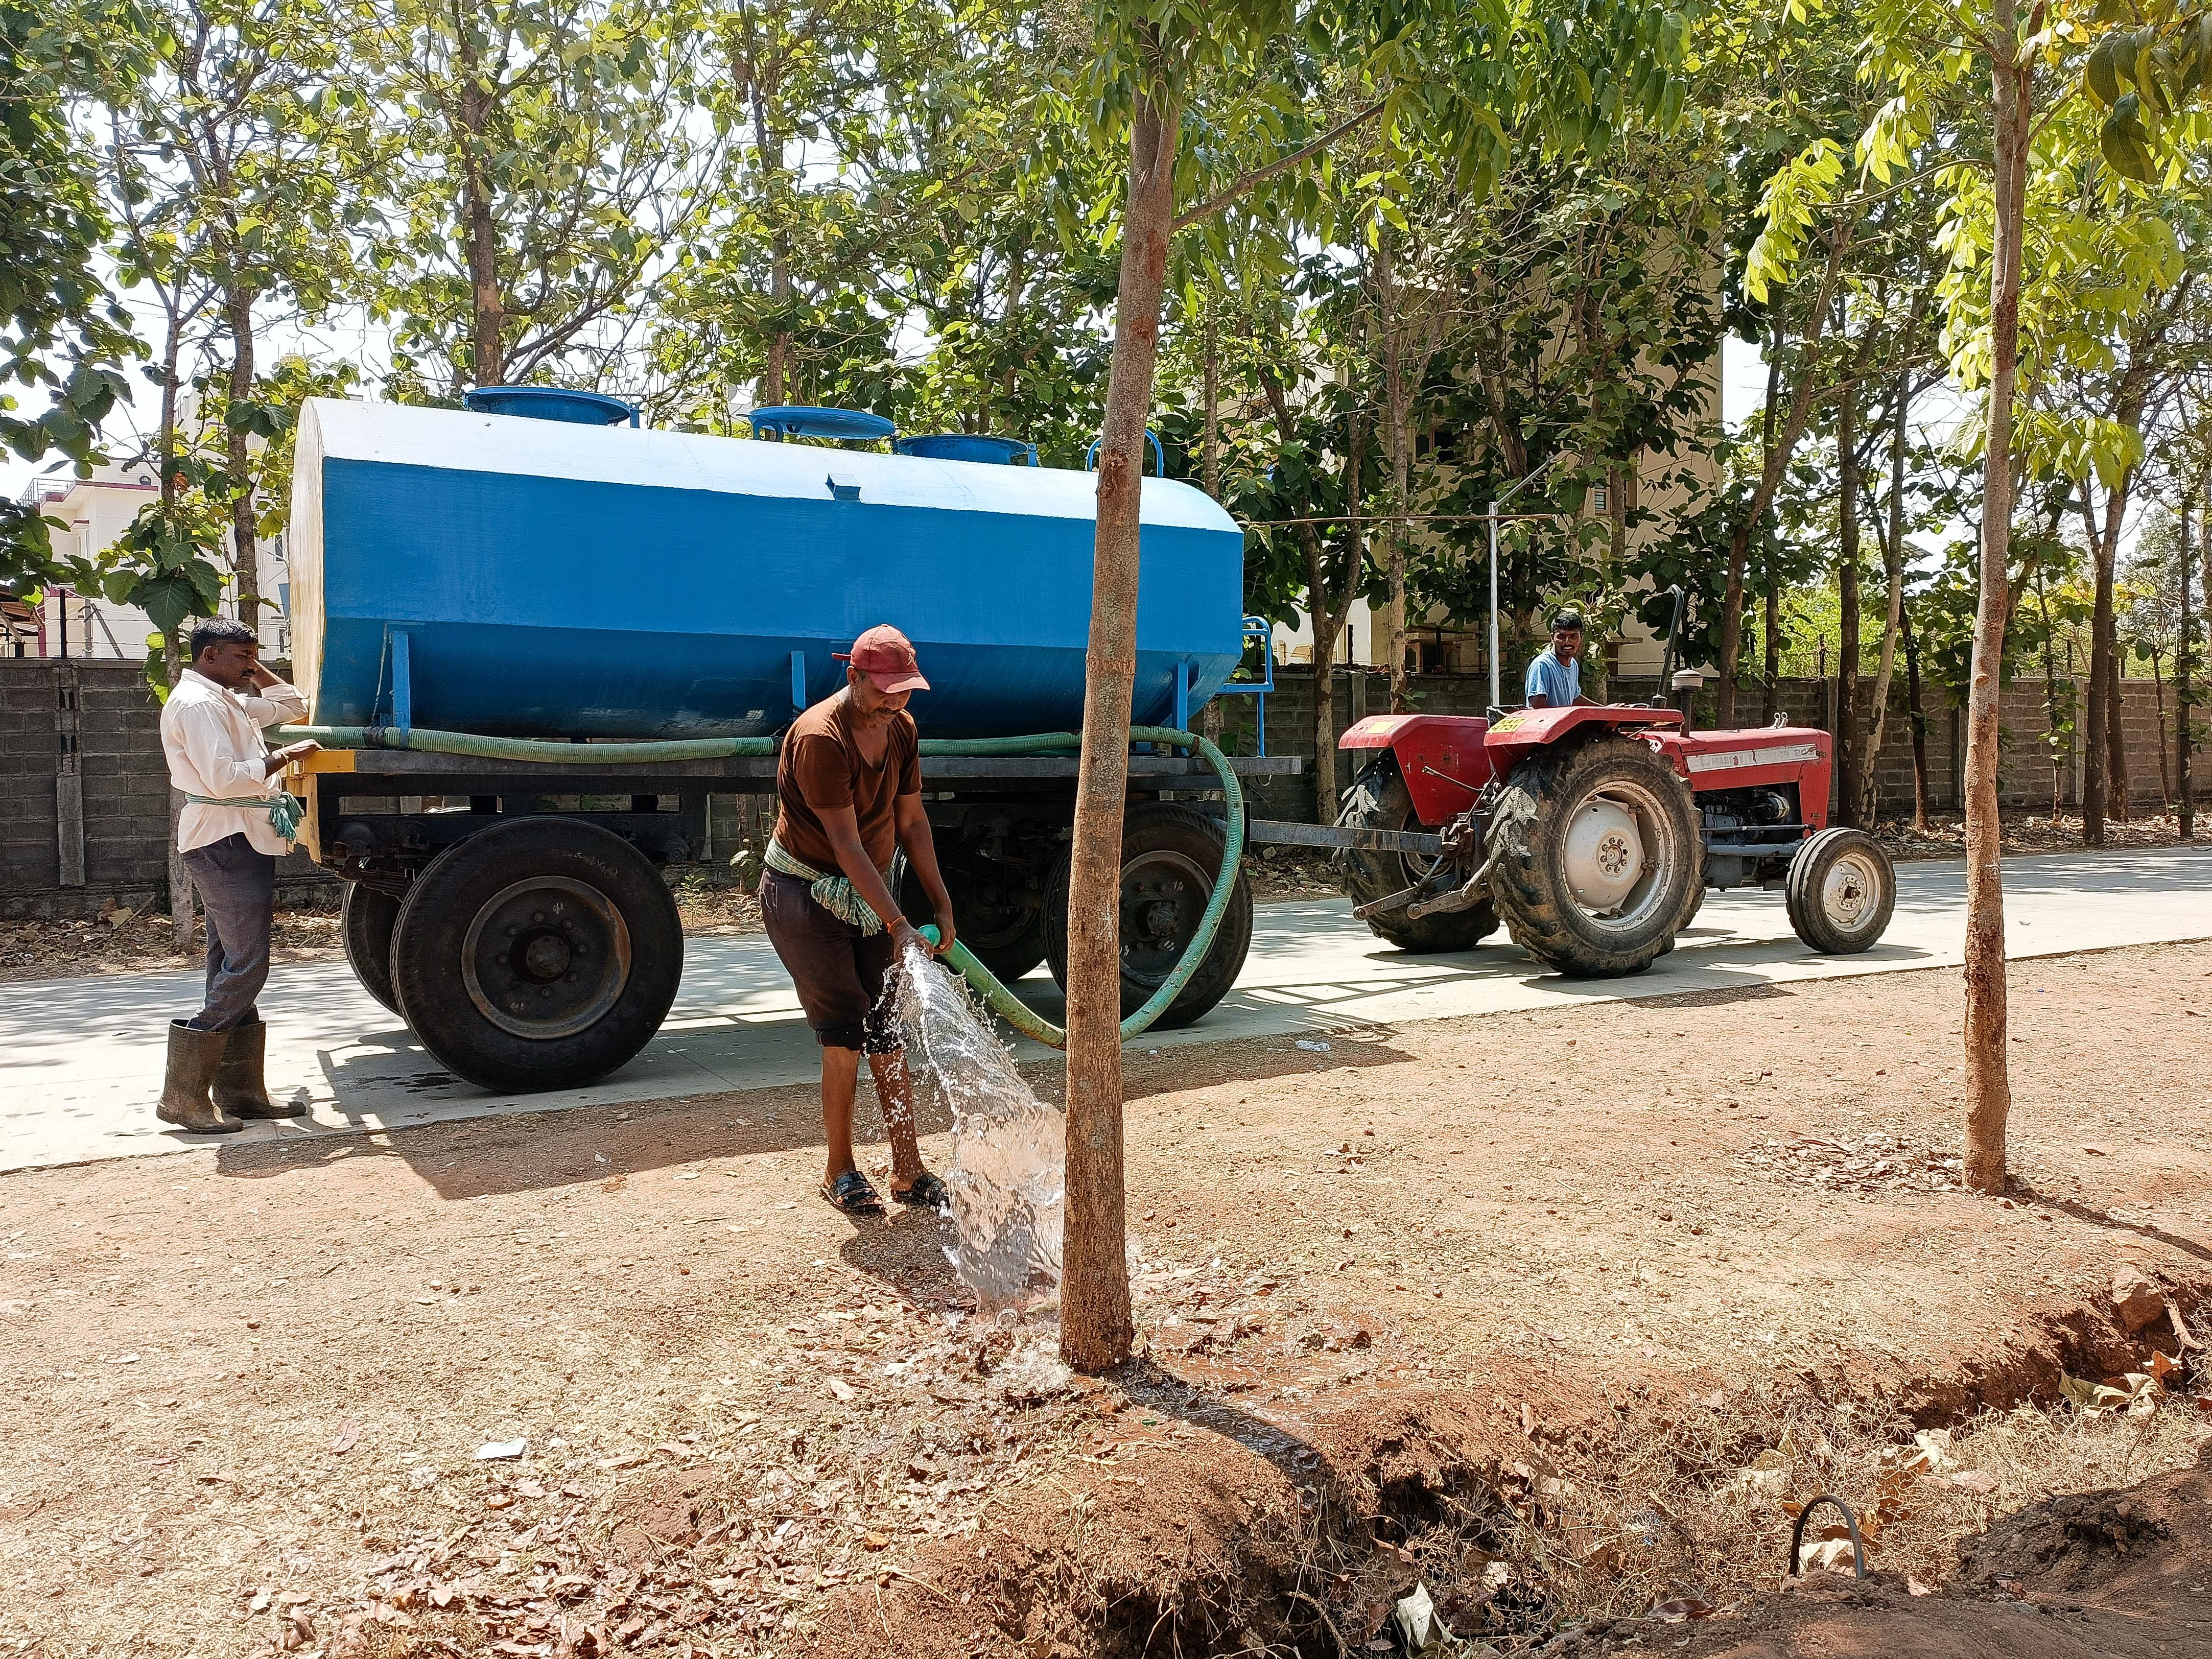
[(1171, 859), (542, 953), (366, 920), (1379, 799), (1840, 890), (1601, 863)]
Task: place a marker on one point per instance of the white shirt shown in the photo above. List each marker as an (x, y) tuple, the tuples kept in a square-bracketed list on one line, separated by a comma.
[(212, 738)]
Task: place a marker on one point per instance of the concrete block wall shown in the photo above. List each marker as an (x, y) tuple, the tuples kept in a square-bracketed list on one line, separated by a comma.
[(2024, 779), (126, 790), (124, 782)]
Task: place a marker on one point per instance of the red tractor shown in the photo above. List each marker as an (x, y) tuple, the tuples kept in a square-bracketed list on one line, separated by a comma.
[(1592, 834)]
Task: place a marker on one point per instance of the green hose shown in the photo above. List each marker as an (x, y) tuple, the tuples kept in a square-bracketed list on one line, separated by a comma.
[(1000, 1001)]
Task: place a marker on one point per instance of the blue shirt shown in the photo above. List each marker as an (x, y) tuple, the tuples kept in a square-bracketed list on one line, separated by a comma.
[(1561, 683)]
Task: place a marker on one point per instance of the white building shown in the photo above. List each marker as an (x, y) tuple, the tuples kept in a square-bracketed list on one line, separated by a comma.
[(94, 514)]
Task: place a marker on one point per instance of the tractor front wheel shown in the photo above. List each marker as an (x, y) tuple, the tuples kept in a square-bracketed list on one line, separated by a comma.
[(1601, 861), (1840, 890), (1379, 799)]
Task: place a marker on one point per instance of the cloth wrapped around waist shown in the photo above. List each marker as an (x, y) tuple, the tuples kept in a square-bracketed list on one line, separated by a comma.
[(836, 892), (283, 811)]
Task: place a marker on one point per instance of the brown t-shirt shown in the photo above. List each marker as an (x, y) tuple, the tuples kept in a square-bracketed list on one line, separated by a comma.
[(822, 766)]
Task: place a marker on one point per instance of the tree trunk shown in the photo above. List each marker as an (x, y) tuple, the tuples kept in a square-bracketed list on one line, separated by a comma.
[(768, 155), (1770, 702), (479, 227), (1988, 1085), (1326, 611), (1096, 1329), (2184, 701), (1211, 455), (238, 308), (2116, 744), (2158, 695), (1892, 559), (2049, 695), (165, 443), (1918, 717), (2095, 778), (1850, 750), (1396, 406), (1770, 474)]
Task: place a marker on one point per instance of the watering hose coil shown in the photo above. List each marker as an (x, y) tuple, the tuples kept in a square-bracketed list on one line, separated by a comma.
[(1000, 1001)]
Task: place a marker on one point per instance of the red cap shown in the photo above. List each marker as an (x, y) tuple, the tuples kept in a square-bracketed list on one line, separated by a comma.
[(885, 656)]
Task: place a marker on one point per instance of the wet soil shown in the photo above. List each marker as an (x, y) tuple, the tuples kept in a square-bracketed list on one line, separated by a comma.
[(1389, 1283)]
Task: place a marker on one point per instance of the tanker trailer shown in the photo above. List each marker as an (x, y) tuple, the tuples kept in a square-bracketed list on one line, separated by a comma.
[(538, 568)]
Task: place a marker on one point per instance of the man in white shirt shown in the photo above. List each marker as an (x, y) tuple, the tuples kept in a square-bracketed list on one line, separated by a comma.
[(236, 823)]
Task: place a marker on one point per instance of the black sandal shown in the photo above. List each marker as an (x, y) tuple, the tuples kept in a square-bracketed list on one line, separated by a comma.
[(927, 1193), (853, 1193)]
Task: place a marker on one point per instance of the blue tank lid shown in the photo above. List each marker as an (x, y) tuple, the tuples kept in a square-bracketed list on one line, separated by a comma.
[(968, 446), (802, 421), (548, 403)]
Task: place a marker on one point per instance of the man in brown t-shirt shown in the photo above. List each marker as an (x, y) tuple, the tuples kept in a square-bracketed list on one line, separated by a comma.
[(849, 797)]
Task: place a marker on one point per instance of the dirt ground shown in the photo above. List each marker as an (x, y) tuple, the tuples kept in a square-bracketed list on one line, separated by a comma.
[(1555, 1312)]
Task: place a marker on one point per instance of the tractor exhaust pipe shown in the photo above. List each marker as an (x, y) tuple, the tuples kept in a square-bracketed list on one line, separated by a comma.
[(1687, 683)]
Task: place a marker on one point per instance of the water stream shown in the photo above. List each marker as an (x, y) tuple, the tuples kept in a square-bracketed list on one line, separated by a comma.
[(1009, 1148)]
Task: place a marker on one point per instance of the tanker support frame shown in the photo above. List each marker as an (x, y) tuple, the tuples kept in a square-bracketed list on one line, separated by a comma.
[(514, 912)]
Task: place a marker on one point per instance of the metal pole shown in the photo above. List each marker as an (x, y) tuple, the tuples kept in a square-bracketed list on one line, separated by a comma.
[(1494, 697)]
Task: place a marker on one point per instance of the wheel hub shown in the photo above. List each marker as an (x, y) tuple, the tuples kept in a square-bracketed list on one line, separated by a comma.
[(1849, 891), (546, 958), (1163, 894), (1604, 855)]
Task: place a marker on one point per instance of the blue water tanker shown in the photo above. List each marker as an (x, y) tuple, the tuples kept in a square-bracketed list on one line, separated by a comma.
[(532, 570), (487, 602)]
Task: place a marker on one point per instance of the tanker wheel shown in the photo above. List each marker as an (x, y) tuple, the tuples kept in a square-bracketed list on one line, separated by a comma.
[(366, 920), (1379, 799), (1841, 890), (542, 953), (1001, 920), (1170, 858), (1601, 863)]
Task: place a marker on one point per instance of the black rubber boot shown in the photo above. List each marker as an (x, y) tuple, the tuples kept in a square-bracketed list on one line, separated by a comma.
[(193, 1058), (239, 1089)]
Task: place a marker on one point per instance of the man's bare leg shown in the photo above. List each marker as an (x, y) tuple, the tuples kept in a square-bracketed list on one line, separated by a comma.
[(840, 1072), (895, 1091)]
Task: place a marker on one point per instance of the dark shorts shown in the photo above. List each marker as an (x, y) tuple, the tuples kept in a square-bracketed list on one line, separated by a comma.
[(840, 971)]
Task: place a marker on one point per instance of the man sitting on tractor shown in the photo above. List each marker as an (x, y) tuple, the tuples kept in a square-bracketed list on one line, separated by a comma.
[(1555, 675)]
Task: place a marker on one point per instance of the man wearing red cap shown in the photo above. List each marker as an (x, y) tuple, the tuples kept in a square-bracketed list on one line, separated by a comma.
[(849, 797)]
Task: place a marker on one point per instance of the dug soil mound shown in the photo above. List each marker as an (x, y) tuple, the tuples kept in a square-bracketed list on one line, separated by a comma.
[(2102, 1575)]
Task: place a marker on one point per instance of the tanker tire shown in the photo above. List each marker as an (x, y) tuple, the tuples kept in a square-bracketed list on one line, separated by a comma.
[(1530, 884), (1162, 843), (366, 920), (1840, 890), (1379, 799), (601, 943), (1009, 950)]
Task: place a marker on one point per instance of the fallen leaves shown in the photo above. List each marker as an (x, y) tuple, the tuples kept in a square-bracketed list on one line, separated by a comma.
[(1875, 1162), (2135, 1394)]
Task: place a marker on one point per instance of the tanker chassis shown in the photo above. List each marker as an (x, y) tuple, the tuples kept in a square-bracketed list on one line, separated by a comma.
[(514, 913)]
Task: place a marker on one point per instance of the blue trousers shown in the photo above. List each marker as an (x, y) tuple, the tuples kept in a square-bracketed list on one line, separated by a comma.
[(237, 887)]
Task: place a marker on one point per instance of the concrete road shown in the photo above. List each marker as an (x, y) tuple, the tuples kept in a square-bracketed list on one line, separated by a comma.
[(81, 1059)]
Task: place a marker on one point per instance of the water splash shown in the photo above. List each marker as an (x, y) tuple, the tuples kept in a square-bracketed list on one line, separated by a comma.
[(1009, 1148)]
